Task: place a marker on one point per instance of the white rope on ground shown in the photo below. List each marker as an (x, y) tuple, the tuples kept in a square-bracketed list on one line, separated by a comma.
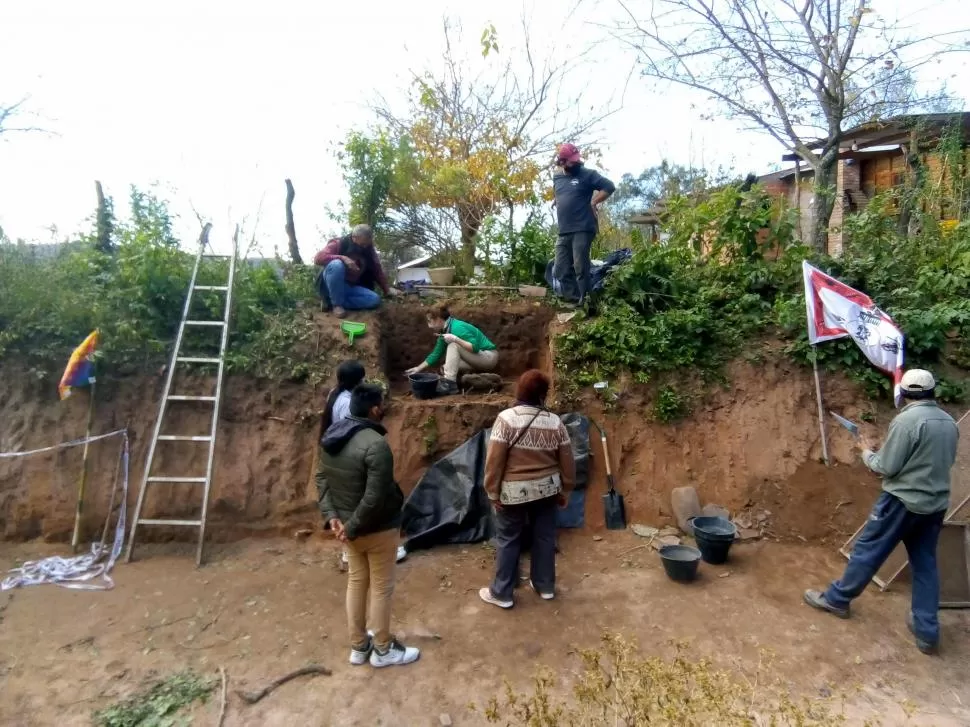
[(77, 571)]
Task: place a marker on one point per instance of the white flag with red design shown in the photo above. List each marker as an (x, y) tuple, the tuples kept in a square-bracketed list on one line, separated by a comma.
[(835, 311)]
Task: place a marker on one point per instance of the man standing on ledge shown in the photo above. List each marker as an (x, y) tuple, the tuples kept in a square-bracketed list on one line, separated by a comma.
[(351, 271), (579, 193), (915, 465)]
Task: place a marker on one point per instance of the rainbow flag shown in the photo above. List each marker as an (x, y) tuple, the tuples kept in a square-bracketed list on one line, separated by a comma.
[(80, 368)]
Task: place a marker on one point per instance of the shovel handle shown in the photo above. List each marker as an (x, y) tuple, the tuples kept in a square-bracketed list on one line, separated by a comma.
[(606, 456)]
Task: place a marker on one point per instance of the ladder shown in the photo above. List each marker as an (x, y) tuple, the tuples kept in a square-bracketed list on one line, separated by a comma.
[(149, 479)]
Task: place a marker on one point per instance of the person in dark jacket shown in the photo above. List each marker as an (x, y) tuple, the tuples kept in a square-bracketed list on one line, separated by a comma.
[(351, 271), (362, 503), (915, 463), (579, 193)]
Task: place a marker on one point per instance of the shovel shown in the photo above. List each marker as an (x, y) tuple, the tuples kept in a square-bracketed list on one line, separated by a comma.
[(353, 330), (614, 511)]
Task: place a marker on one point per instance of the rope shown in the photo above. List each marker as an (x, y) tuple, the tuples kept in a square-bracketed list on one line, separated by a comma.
[(77, 572)]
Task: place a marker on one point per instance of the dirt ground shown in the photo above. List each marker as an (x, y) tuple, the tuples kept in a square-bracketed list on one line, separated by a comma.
[(264, 607)]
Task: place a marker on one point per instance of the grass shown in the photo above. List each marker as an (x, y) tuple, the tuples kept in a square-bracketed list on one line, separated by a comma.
[(159, 705)]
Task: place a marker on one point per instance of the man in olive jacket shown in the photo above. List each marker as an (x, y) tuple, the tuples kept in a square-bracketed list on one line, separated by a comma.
[(360, 500), (915, 464)]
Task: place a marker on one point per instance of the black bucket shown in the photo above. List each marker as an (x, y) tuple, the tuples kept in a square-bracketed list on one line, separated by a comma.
[(424, 386), (680, 562), (714, 536)]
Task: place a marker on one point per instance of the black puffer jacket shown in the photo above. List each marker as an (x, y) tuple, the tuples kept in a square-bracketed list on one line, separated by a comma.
[(355, 478)]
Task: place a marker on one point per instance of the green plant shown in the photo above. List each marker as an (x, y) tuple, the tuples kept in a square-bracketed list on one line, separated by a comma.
[(617, 685), (158, 705), (670, 405), (430, 429)]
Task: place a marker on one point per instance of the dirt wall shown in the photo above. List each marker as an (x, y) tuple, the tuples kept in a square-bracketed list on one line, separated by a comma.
[(752, 444)]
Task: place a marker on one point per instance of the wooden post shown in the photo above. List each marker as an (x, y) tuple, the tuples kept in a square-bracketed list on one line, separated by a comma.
[(821, 409), (76, 536), (290, 227)]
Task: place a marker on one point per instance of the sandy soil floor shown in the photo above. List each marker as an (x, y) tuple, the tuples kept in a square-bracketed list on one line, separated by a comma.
[(261, 608)]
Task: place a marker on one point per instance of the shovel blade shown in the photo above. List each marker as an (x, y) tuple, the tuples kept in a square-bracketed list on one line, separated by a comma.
[(614, 511)]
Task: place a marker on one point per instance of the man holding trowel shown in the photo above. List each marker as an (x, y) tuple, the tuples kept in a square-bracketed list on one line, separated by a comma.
[(915, 463)]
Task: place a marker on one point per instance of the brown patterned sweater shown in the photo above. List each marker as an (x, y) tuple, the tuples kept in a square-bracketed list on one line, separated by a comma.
[(543, 450)]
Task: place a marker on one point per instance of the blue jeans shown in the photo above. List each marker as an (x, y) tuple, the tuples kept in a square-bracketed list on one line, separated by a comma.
[(889, 523), (510, 528), (333, 288), (572, 264)]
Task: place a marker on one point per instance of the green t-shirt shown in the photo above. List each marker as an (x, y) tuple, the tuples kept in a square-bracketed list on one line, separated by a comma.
[(464, 331)]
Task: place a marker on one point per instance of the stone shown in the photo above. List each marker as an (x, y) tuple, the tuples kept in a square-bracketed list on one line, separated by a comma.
[(597, 538), (710, 510), (685, 504), (444, 719), (748, 534), (644, 531), (660, 541)]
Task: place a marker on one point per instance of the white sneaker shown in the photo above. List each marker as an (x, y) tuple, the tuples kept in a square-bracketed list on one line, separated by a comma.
[(544, 596), (486, 595), (401, 553), (396, 655), (344, 558), (358, 657)]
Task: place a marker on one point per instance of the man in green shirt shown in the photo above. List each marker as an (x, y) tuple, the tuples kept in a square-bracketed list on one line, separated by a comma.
[(915, 464), (463, 347)]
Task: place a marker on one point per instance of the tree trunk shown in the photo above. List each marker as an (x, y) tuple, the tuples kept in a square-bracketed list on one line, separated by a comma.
[(826, 179), (915, 180), (104, 220), (290, 227), (471, 223)]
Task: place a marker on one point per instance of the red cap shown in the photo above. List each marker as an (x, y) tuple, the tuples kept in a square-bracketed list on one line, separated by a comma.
[(569, 153)]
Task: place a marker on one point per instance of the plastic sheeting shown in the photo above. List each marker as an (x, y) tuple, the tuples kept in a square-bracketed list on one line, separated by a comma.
[(449, 504)]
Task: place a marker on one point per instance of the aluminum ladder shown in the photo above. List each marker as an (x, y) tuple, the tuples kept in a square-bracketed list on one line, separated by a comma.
[(150, 479)]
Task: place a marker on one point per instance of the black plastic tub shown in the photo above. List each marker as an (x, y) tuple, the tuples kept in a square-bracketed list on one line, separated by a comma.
[(714, 536), (680, 562), (424, 386)]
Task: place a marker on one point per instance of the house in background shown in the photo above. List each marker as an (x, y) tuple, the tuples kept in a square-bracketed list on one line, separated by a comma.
[(873, 158)]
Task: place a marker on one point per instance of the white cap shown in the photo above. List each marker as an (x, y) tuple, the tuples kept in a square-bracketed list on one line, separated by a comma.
[(916, 380)]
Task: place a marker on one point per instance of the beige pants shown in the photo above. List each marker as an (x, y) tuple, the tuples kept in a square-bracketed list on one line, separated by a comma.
[(370, 584), (458, 360)]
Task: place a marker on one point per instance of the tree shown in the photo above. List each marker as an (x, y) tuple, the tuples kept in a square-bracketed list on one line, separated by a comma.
[(290, 226), (639, 193), (798, 70), (104, 220), (472, 142)]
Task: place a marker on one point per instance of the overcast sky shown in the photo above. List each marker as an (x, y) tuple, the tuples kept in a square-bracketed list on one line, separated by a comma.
[(219, 101)]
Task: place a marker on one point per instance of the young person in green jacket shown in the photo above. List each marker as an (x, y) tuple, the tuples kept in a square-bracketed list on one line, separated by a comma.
[(915, 463), (463, 347)]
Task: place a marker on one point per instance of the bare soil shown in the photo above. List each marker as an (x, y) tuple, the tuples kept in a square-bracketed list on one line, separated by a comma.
[(263, 608)]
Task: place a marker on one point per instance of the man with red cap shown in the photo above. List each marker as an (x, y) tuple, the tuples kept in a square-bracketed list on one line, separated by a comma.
[(579, 193)]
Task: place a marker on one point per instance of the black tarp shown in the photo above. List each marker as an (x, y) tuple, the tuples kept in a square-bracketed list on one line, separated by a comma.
[(449, 504)]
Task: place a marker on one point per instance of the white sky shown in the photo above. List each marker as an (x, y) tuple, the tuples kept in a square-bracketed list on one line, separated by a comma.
[(219, 101)]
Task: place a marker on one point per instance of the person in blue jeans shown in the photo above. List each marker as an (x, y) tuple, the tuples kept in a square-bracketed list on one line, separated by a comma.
[(915, 464), (351, 271)]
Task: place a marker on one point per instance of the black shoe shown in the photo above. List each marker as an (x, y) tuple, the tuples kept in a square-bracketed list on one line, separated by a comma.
[(447, 387), (926, 647), (816, 599)]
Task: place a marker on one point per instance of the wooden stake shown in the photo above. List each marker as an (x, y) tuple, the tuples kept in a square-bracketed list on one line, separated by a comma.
[(821, 409), (76, 537)]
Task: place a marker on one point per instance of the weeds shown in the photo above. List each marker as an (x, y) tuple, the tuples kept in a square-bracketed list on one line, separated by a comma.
[(670, 405), (159, 705), (619, 686)]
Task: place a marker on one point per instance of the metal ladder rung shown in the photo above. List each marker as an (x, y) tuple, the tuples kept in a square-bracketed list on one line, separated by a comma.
[(186, 523), (182, 397), (205, 323), (219, 288), (195, 359), (198, 480), (180, 438)]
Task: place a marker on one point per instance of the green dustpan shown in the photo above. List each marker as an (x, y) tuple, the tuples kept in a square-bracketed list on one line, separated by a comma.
[(353, 330)]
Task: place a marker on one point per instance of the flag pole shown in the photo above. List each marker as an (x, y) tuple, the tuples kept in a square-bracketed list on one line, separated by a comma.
[(821, 409), (75, 538)]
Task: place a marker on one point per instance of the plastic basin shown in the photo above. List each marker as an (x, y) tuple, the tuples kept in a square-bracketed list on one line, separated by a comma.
[(424, 386), (680, 562)]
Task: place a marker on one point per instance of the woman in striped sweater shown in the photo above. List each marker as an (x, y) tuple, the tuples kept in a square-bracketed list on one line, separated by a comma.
[(529, 471)]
